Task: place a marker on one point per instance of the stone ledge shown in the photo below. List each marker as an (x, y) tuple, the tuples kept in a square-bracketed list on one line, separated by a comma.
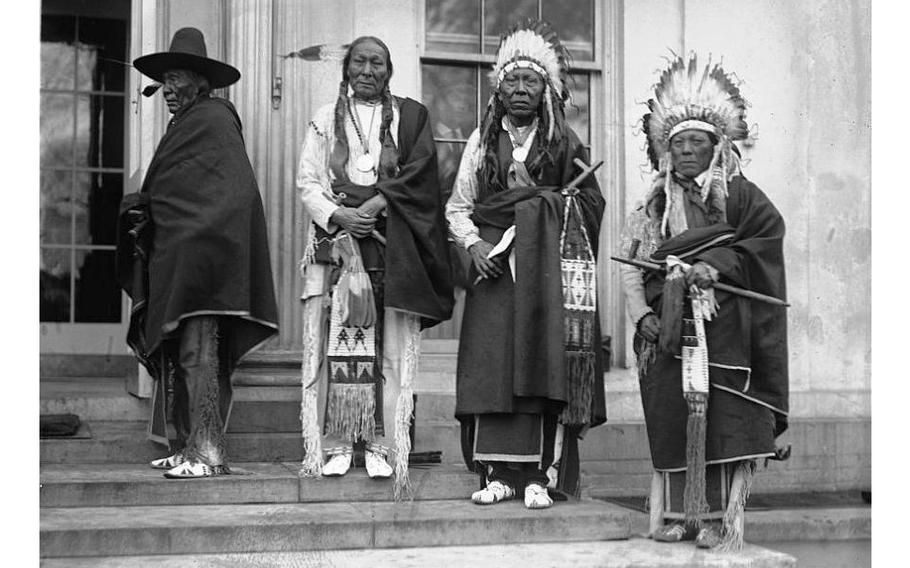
[(635, 552), (125, 531), (110, 485)]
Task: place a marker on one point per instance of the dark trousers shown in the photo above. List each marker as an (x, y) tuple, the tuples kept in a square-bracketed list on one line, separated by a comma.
[(518, 474)]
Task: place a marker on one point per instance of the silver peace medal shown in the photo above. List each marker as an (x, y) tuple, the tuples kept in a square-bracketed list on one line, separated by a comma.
[(519, 154), (364, 163)]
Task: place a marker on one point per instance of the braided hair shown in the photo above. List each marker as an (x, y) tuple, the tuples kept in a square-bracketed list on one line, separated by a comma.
[(491, 126), (388, 159)]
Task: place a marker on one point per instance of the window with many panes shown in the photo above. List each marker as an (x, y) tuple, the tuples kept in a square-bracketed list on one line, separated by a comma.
[(459, 48), (82, 117), (460, 42)]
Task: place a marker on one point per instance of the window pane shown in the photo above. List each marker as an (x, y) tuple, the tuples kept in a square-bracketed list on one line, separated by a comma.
[(97, 203), (485, 88), (81, 196), (58, 28), (86, 62), (57, 52), (453, 25), (97, 293), (58, 65), (501, 15), (56, 207), (450, 94), (55, 285), (103, 44), (100, 134), (84, 131), (578, 110), (56, 129), (449, 158), (574, 23)]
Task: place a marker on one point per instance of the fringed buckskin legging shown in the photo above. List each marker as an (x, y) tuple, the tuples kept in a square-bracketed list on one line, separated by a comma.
[(198, 387)]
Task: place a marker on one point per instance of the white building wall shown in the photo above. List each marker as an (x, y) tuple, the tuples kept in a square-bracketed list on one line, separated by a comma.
[(806, 69)]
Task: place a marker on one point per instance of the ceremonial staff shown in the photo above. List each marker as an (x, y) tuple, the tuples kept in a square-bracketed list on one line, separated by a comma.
[(720, 286)]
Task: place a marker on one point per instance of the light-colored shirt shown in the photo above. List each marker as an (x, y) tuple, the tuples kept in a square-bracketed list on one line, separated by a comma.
[(464, 192), (314, 176)]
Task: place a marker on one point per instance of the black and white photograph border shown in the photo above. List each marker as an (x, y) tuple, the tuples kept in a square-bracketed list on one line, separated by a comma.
[(805, 69)]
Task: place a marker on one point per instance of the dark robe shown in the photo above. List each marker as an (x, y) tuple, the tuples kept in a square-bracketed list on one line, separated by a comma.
[(202, 245), (746, 410), (511, 357), (415, 259)]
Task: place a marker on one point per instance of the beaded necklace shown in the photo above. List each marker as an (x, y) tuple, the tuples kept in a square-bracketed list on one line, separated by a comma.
[(363, 163)]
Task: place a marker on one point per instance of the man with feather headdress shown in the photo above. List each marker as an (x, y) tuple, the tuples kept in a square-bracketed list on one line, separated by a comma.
[(712, 366), (530, 375)]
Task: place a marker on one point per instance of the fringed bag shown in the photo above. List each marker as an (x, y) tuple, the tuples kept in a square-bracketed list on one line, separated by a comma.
[(356, 301), (351, 352), (579, 290)]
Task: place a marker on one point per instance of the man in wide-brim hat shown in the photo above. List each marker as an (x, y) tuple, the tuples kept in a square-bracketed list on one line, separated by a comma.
[(193, 256)]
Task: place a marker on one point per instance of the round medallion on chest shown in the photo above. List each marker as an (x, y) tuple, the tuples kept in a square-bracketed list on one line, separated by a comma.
[(364, 163), (519, 154)]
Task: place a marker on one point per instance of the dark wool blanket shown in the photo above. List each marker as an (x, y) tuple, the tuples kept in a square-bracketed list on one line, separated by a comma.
[(746, 409), (418, 273), (512, 350), (201, 247)]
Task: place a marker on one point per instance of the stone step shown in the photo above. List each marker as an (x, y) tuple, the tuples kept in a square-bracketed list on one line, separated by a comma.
[(282, 527), (614, 457), (113, 485), (90, 398), (632, 553), (256, 408), (126, 442), (823, 524)]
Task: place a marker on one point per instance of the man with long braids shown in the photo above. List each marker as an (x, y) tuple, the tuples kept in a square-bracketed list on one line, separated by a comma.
[(530, 374), (368, 180), (712, 365)]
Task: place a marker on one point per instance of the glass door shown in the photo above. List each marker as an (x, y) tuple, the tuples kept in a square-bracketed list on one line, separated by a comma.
[(83, 117)]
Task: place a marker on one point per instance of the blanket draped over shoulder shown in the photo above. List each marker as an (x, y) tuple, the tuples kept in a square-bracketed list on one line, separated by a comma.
[(418, 274), (512, 357), (747, 339), (200, 245)]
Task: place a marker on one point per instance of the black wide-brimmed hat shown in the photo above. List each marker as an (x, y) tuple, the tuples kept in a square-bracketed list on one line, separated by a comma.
[(187, 52)]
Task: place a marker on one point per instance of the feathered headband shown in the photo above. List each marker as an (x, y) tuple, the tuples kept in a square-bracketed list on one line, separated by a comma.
[(533, 44), (685, 98), (689, 98)]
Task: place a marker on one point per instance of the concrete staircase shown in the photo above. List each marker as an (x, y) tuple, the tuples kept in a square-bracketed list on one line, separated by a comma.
[(102, 506)]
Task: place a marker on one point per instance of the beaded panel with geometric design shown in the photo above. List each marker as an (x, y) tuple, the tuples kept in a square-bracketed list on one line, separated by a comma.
[(579, 284)]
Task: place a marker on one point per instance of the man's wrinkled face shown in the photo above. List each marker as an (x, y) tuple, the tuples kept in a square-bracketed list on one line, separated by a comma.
[(691, 152), (368, 70), (179, 89), (520, 92)]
